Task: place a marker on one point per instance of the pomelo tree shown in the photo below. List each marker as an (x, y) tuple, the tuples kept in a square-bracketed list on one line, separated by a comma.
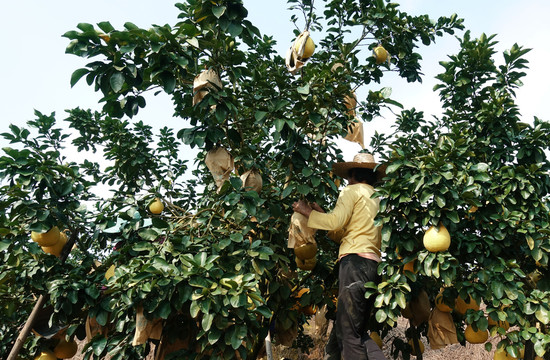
[(213, 268), (482, 173)]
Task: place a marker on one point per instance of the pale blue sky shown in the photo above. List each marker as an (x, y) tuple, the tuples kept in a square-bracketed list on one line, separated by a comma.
[(35, 71)]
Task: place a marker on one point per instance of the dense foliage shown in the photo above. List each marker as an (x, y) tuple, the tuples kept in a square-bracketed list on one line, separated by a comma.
[(214, 265)]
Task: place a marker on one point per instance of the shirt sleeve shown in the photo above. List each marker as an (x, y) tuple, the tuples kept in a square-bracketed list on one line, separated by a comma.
[(338, 217), (336, 235)]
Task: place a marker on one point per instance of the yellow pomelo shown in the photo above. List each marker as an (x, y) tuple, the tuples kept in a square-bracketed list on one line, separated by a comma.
[(410, 266), (475, 337), (420, 345), (437, 239), (105, 37), (65, 349), (502, 354), (57, 247), (307, 310), (46, 355), (305, 251), (381, 55), (307, 264), (440, 305), (309, 46), (49, 238), (503, 324), (156, 206), (461, 306), (377, 339)]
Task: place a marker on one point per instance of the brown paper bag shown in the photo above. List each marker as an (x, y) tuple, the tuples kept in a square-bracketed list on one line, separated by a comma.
[(441, 329), (293, 59), (220, 163), (146, 329), (355, 132), (203, 83), (252, 180), (351, 103), (420, 308), (299, 233), (93, 328)]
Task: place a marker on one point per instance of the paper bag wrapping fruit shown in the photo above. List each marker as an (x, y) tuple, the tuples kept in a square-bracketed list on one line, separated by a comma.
[(351, 103), (295, 57), (291, 62), (419, 307), (93, 328), (220, 163), (441, 329), (299, 233), (146, 329), (355, 132), (252, 180), (203, 83), (178, 334)]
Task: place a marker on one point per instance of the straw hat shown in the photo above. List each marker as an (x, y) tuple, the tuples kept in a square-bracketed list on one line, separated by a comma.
[(360, 160)]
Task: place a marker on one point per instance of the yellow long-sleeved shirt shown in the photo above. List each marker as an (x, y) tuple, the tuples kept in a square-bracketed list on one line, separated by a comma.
[(353, 220)]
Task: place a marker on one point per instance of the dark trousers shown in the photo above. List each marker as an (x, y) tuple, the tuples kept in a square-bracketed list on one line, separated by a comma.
[(349, 338)]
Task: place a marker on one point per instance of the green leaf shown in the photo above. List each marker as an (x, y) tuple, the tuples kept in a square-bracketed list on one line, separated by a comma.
[(77, 75), (218, 11), (193, 42), (260, 115), (453, 216), (381, 316), (481, 167), (264, 311), (214, 335), (304, 90), (235, 29), (498, 289), (483, 177), (287, 191), (106, 26), (98, 345), (206, 322), (102, 317), (4, 244), (440, 201), (194, 309), (86, 27), (168, 82), (130, 26), (164, 310), (400, 299), (393, 167), (542, 315), (279, 124), (117, 81)]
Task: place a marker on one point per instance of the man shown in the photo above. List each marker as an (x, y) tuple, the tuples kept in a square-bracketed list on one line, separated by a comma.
[(351, 224)]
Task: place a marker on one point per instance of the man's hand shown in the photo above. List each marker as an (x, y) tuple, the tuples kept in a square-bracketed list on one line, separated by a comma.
[(302, 207)]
